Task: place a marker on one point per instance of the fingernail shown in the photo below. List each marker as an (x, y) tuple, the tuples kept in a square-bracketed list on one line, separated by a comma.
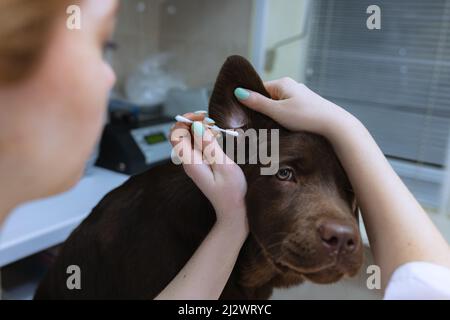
[(201, 112), (198, 129), (241, 94), (209, 121)]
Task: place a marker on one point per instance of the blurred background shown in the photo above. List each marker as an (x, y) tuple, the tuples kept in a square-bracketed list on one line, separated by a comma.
[(167, 53), (396, 80)]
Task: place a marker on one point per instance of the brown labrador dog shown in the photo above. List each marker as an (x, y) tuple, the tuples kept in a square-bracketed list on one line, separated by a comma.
[(303, 220)]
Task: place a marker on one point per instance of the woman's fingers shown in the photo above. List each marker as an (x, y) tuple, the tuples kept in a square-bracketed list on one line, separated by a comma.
[(201, 174), (257, 102), (181, 139), (191, 157), (181, 130), (198, 149), (213, 152), (280, 108), (205, 162), (282, 89)]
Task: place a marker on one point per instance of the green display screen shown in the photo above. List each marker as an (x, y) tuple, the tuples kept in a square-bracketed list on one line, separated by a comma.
[(155, 138)]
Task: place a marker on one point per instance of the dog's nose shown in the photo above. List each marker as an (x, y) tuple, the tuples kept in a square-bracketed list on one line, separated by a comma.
[(338, 237)]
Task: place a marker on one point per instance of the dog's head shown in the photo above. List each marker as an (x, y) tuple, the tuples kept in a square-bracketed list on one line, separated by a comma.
[(304, 217)]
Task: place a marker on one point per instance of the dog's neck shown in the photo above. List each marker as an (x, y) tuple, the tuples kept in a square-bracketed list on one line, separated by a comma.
[(254, 267)]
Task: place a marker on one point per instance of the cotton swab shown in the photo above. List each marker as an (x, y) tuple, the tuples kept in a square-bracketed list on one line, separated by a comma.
[(229, 132), (186, 120), (183, 120)]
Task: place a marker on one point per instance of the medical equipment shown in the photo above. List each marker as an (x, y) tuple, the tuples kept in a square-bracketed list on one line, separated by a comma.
[(134, 148)]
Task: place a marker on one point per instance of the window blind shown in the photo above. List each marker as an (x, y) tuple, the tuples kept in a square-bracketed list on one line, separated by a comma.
[(395, 80)]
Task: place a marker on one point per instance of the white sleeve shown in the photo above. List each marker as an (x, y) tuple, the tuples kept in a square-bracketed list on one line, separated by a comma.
[(419, 280)]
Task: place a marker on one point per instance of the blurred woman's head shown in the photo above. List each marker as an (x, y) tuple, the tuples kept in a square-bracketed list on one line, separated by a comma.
[(54, 85)]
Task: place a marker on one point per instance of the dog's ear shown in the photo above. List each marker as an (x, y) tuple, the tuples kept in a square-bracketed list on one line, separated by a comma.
[(225, 108)]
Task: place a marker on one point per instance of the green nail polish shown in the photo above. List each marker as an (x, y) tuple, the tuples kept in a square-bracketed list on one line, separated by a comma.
[(241, 94), (209, 121), (198, 129)]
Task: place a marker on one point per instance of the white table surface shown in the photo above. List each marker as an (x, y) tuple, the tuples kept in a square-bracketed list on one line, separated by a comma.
[(41, 224)]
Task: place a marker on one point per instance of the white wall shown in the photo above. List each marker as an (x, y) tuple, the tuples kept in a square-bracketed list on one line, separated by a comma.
[(200, 34), (285, 19)]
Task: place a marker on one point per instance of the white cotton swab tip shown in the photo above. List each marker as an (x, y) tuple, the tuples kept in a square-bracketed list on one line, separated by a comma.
[(229, 132), (188, 121), (183, 119)]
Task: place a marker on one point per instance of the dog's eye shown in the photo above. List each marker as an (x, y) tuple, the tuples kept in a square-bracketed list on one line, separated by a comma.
[(285, 174)]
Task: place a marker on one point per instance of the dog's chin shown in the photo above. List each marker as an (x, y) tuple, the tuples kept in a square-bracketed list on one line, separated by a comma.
[(329, 275), (324, 274)]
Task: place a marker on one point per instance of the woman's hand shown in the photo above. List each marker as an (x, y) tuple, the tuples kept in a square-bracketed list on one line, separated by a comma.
[(295, 106), (223, 182), (218, 177), (399, 229)]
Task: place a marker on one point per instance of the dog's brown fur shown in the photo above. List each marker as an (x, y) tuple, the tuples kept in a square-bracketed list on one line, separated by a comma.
[(140, 235)]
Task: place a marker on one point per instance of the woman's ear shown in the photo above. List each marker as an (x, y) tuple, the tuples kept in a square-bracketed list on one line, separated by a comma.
[(225, 108)]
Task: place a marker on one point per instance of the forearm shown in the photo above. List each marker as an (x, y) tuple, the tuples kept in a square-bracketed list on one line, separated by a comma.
[(399, 230), (207, 272)]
